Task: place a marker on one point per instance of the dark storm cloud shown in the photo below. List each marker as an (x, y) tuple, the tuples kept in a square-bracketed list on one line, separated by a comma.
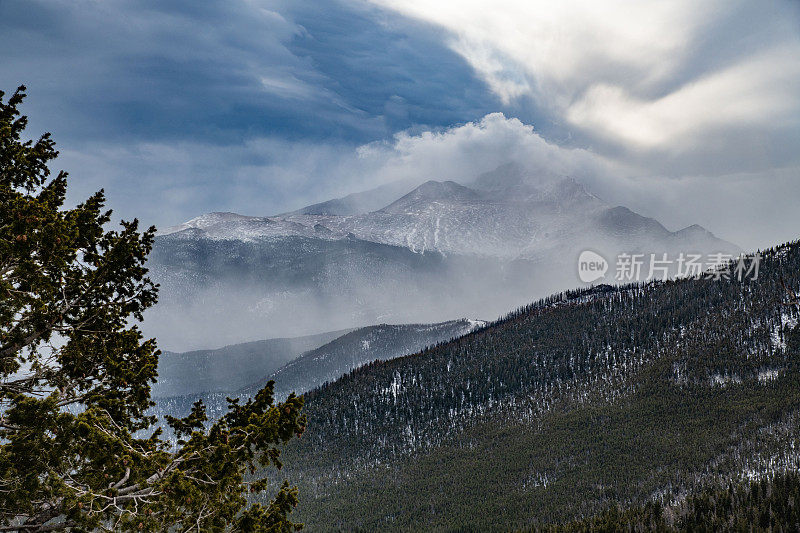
[(181, 107), (227, 71)]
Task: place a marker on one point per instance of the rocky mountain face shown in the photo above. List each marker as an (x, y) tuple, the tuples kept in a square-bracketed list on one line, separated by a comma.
[(440, 250)]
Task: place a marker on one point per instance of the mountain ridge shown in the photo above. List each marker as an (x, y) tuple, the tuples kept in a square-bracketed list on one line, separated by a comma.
[(217, 369), (447, 217), (440, 251)]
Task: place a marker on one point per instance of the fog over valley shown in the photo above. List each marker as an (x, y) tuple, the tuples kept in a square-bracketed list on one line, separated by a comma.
[(434, 252)]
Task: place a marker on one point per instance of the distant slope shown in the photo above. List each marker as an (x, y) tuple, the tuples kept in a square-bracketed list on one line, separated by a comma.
[(563, 408), (244, 369), (364, 345), (230, 291), (229, 367)]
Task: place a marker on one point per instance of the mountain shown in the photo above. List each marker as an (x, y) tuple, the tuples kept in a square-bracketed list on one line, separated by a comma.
[(296, 365), (440, 251), (518, 221), (507, 176), (364, 345), (359, 202), (582, 401), (432, 192), (229, 367)]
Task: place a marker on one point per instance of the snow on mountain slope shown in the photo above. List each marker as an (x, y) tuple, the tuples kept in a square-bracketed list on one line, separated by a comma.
[(231, 226), (440, 251), (515, 220)]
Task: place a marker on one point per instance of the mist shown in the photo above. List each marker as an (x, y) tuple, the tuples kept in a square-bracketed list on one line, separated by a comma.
[(438, 251)]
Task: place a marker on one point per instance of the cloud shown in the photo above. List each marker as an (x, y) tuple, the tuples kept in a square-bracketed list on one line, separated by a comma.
[(754, 209), (757, 93), (462, 152), (168, 183), (674, 86), (227, 72)]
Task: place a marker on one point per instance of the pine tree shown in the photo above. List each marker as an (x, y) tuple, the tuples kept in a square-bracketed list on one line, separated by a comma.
[(77, 448)]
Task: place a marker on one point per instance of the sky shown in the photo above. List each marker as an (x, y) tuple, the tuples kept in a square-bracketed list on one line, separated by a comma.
[(685, 111)]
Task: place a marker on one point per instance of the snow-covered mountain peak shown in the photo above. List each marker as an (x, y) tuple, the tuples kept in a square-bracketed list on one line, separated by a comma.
[(208, 220), (621, 221), (507, 213), (432, 191), (360, 203)]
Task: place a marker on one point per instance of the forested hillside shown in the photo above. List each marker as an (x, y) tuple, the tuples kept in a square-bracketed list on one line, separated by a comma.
[(583, 400), (769, 504)]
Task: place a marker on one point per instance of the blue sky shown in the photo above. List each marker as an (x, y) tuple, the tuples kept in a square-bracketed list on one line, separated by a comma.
[(178, 108)]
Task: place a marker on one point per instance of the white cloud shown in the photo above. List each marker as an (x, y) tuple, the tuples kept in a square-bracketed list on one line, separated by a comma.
[(462, 152), (559, 43), (668, 79), (761, 90)]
